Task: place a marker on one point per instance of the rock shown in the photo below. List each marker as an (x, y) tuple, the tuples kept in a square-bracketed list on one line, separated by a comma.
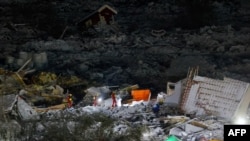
[(237, 48), (40, 60), (71, 126), (40, 127), (82, 68), (11, 129), (220, 49)]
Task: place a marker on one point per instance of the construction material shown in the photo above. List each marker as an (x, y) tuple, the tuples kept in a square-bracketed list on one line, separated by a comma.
[(222, 98), (24, 65), (56, 107), (129, 88), (141, 94)]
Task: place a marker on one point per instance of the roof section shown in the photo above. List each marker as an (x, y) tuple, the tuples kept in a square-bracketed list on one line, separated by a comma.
[(107, 6)]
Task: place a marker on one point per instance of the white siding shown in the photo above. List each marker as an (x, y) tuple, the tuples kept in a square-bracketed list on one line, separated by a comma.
[(217, 97), (192, 98)]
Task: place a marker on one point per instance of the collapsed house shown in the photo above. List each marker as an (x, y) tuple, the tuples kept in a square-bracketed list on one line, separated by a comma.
[(227, 98)]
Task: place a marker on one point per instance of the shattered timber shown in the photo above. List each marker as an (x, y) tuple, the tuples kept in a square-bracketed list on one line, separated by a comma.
[(42, 92)]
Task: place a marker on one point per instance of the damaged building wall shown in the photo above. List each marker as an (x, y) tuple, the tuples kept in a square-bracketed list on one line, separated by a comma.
[(216, 97), (243, 107), (174, 92)]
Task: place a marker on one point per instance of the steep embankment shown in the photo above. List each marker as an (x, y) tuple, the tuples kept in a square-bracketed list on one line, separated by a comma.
[(136, 54)]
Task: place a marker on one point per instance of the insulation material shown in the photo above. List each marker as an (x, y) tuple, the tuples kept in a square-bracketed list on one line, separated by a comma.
[(25, 111), (192, 129), (141, 94)]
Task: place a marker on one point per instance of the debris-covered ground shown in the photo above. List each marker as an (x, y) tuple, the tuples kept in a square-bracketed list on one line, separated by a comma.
[(140, 52), (37, 111), (136, 121)]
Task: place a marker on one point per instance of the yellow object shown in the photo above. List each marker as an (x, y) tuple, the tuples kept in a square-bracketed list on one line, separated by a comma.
[(69, 80), (161, 101), (140, 94), (199, 124), (45, 78), (37, 87), (19, 79), (129, 88)]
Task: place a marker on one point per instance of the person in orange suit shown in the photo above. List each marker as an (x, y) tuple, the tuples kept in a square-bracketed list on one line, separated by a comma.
[(114, 104), (94, 101), (70, 101)]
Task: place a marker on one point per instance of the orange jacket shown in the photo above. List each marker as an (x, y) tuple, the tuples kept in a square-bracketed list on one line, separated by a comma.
[(113, 96)]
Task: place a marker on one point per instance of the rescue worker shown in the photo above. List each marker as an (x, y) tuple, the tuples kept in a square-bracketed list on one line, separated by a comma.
[(70, 101), (95, 100), (114, 104)]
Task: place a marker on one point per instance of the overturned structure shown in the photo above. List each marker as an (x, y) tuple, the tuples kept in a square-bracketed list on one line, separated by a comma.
[(227, 98), (224, 98)]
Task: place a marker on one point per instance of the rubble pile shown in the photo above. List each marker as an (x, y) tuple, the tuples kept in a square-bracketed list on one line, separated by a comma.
[(40, 90), (44, 99), (140, 115)]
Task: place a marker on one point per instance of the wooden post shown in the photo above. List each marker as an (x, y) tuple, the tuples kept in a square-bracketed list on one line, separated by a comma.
[(25, 64), (65, 29)]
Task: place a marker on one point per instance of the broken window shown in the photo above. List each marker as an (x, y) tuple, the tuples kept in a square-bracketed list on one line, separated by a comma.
[(170, 88)]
